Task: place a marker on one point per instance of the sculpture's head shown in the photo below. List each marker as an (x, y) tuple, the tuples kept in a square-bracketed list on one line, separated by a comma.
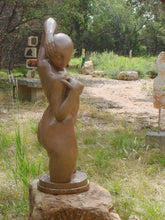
[(160, 63), (61, 53)]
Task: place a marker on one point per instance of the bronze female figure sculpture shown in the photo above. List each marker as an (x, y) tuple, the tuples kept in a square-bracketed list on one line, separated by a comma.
[(56, 128)]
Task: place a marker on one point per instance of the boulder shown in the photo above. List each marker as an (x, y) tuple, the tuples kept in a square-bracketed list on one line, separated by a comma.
[(87, 68), (94, 204), (96, 73), (128, 75)]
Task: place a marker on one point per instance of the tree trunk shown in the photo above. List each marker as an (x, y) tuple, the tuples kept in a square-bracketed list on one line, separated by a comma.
[(1, 53)]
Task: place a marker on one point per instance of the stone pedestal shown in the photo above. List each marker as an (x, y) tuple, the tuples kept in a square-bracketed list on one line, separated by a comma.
[(29, 89), (94, 204), (156, 140)]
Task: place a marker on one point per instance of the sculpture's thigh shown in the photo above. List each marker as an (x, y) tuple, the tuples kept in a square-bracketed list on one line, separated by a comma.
[(59, 140), (62, 163)]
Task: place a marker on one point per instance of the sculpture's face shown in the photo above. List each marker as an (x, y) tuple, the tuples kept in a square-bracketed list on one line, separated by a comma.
[(61, 58), (62, 52)]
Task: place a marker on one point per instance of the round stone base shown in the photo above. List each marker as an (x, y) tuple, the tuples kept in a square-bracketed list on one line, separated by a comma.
[(79, 183)]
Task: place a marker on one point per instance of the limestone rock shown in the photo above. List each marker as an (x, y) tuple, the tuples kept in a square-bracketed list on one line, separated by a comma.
[(94, 204), (87, 68), (96, 73), (128, 75)]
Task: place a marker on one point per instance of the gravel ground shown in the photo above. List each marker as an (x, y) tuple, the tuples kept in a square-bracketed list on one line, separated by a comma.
[(131, 99)]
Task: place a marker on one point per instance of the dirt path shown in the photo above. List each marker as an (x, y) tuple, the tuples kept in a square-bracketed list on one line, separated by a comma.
[(126, 98)]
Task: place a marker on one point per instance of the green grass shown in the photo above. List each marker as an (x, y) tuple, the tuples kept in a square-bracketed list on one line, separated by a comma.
[(74, 66), (20, 163), (112, 64), (113, 154), (18, 72)]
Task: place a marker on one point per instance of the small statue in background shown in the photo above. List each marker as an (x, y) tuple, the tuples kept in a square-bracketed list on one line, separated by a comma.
[(159, 86), (56, 128), (159, 83)]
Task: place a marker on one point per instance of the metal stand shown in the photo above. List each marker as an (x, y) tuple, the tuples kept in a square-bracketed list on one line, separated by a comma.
[(159, 128)]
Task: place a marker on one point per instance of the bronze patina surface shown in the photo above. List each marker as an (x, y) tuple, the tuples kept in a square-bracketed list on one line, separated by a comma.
[(56, 128)]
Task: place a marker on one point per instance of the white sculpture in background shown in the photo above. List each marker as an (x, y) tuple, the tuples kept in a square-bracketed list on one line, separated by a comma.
[(159, 83)]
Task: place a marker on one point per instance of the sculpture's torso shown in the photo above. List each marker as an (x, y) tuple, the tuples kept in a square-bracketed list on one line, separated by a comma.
[(56, 136)]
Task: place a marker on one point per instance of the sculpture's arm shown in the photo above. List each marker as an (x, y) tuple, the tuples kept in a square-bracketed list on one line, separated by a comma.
[(63, 110), (41, 53), (73, 85), (50, 27), (71, 101)]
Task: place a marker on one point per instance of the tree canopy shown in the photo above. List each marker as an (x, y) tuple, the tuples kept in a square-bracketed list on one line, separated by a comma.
[(122, 25), (18, 18), (113, 25)]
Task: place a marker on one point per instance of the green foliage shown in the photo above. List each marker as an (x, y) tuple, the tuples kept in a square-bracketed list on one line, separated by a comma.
[(156, 158), (112, 64), (73, 18), (19, 20), (19, 71), (89, 141), (154, 211), (74, 65), (111, 151), (124, 143), (102, 159), (118, 162), (12, 206), (124, 25), (23, 169), (111, 25)]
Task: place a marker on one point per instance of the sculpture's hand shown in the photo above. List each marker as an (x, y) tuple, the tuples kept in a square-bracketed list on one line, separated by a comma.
[(49, 44), (50, 27), (73, 84)]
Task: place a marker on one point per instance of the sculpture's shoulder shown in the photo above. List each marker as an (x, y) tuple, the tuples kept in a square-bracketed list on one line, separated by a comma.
[(45, 70)]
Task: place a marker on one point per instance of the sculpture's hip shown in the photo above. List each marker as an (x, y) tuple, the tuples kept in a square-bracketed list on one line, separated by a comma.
[(58, 138)]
